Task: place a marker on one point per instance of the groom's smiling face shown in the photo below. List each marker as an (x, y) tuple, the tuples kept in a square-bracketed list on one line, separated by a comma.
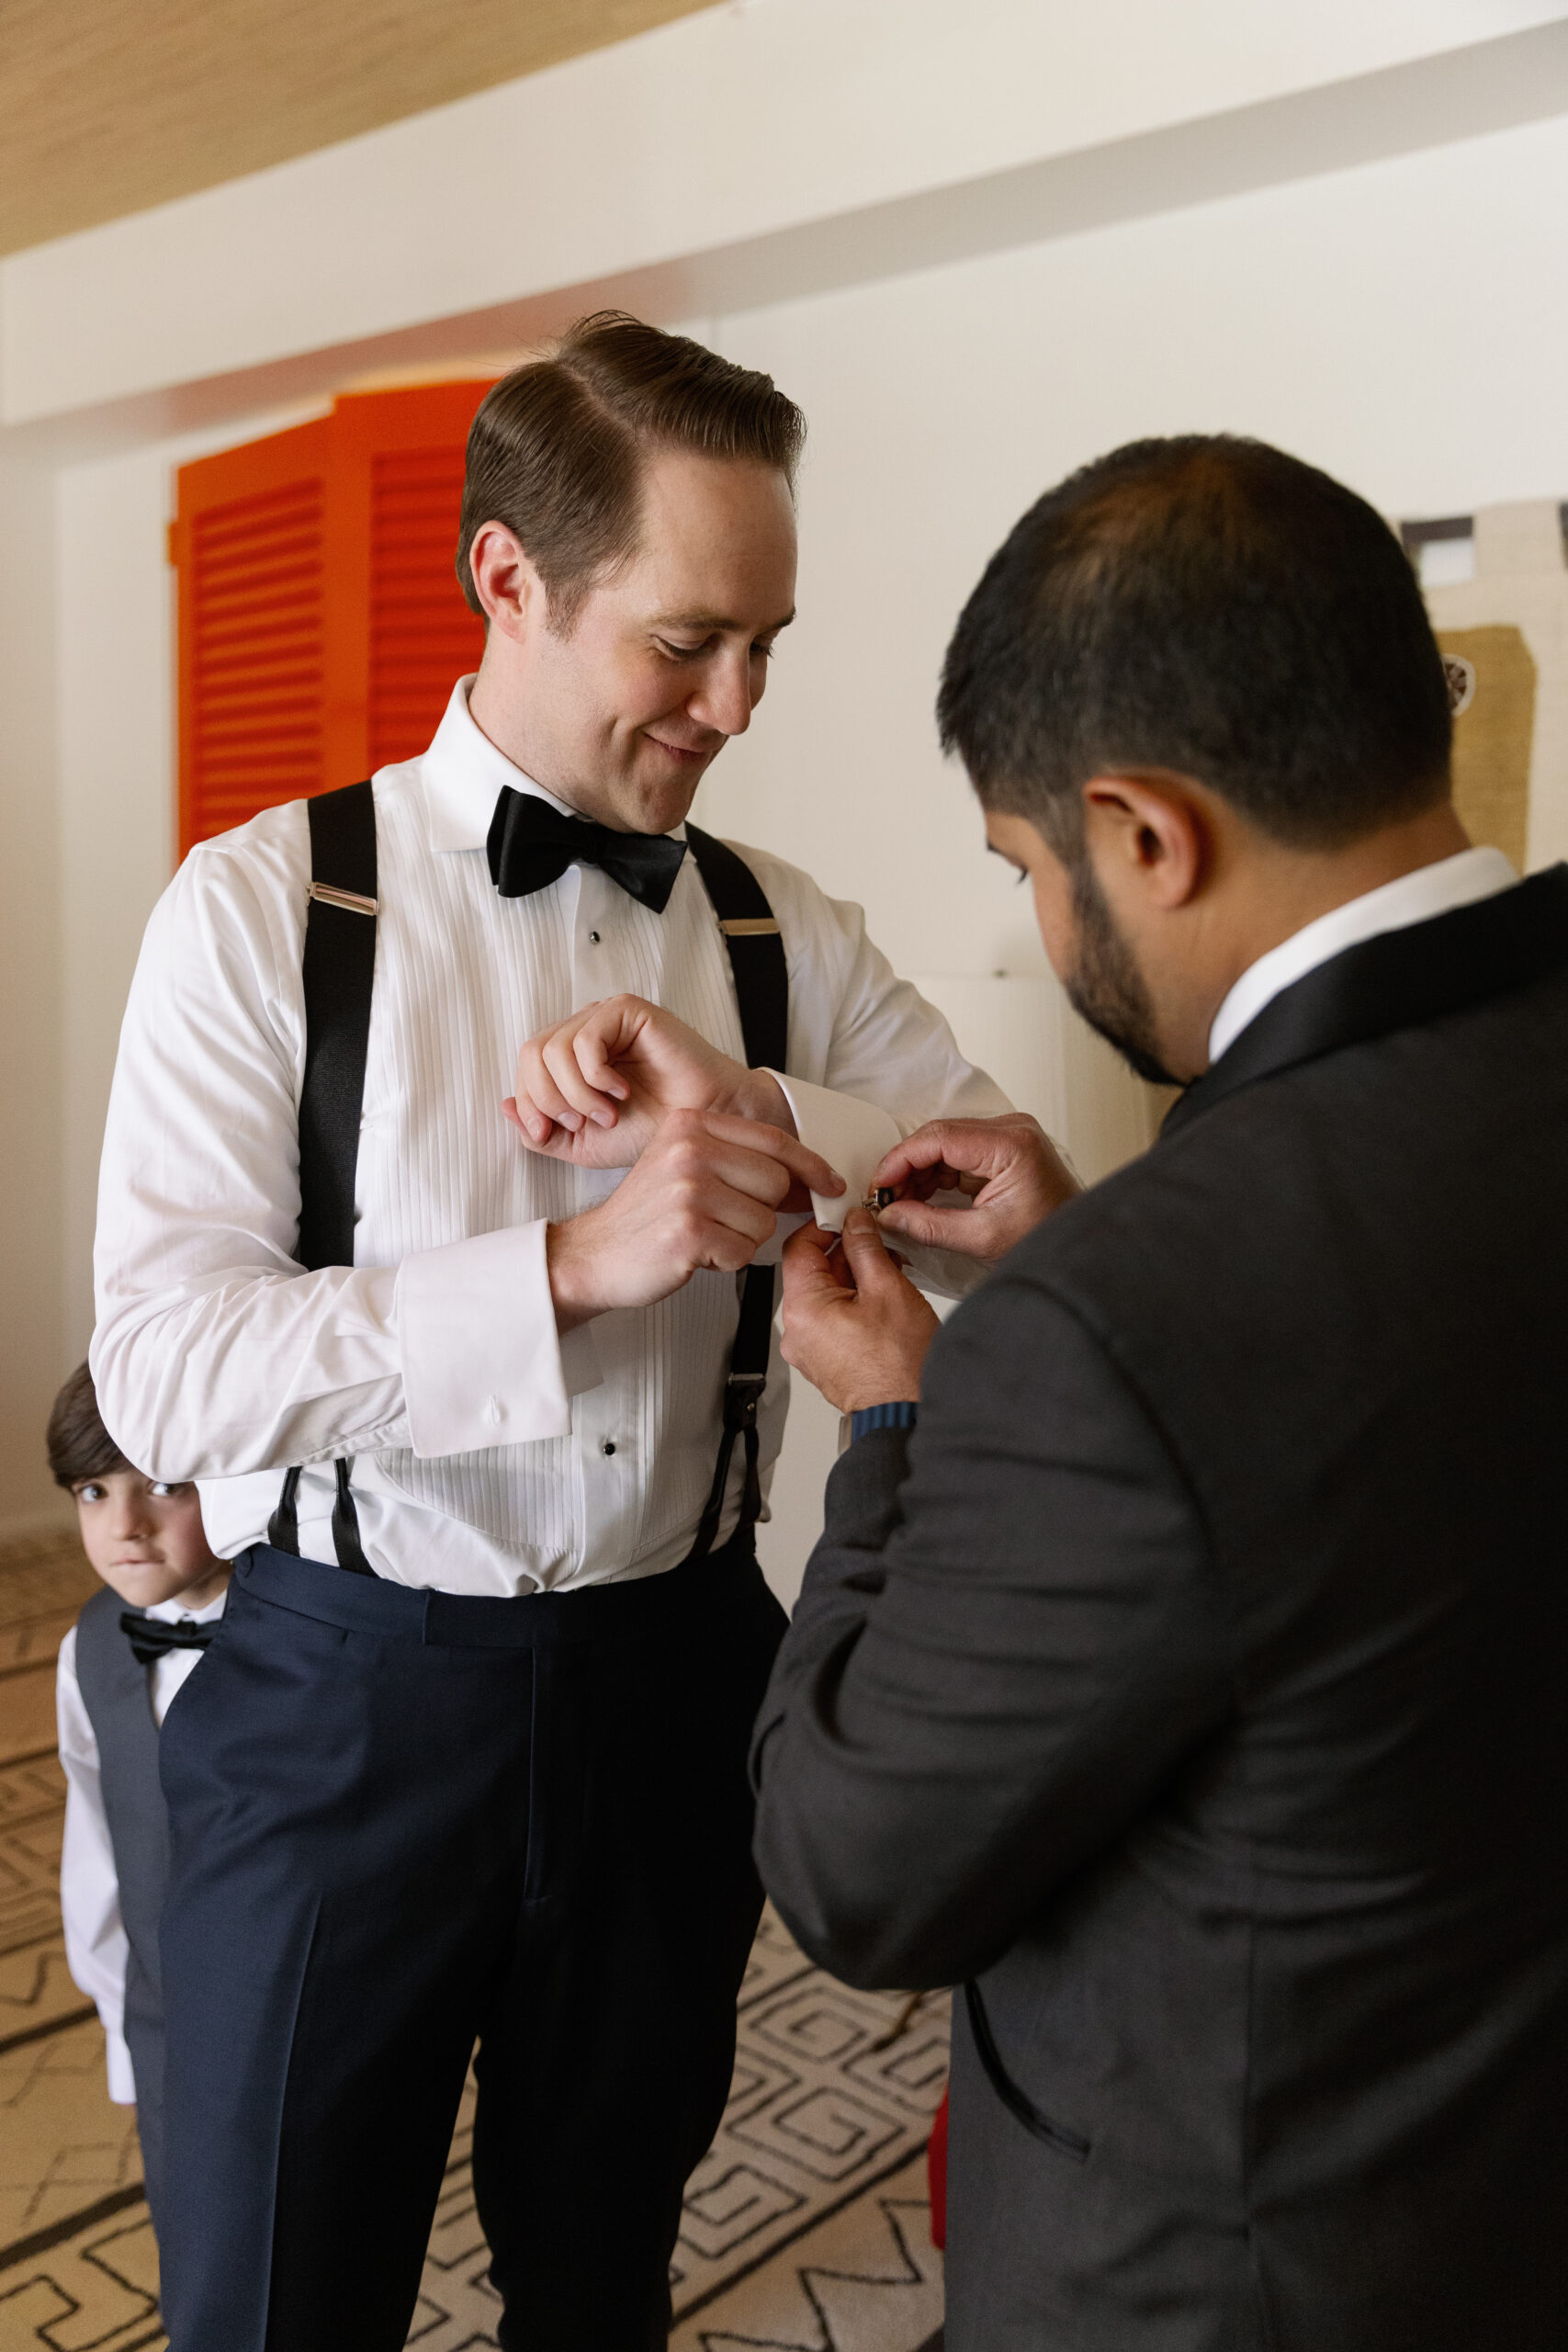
[(623, 708)]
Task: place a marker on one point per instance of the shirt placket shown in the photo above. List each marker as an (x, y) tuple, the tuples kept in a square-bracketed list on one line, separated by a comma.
[(606, 1420)]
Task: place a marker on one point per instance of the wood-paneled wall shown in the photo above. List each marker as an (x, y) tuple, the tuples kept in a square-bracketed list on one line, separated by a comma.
[(109, 105)]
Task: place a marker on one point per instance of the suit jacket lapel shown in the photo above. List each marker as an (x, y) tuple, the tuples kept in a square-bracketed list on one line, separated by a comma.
[(1397, 981)]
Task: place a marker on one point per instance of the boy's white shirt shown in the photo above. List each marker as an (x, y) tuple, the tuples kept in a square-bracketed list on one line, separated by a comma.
[(95, 1947)]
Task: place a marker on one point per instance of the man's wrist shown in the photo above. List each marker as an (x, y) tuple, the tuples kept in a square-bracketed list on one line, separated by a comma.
[(901, 1416), (758, 1095), (569, 1267)]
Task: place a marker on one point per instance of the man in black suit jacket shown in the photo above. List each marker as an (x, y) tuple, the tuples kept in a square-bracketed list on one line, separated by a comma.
[(1190, 1688)]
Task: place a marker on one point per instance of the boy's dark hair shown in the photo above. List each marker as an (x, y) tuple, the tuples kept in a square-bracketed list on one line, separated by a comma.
[(1212, 606), (556, 449), (79, 1445)]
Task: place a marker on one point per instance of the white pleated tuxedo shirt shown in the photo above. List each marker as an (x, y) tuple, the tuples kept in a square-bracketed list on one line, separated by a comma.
[(95, 1947), (490, 1456)]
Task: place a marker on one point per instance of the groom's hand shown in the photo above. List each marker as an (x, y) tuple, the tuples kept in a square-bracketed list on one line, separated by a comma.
[(595, 1088), (853, 1322), (706, 1192)]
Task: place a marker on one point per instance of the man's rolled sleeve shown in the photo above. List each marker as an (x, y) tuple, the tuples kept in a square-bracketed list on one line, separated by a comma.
[(481, 1359)]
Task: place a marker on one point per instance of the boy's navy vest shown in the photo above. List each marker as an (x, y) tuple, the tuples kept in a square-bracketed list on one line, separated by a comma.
[(117, 1694)]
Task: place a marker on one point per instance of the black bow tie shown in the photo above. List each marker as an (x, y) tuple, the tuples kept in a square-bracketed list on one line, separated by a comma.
[(153, 1637), (531, 845)]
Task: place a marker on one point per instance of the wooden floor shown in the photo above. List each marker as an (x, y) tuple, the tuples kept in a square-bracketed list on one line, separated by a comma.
[(805, 2226)]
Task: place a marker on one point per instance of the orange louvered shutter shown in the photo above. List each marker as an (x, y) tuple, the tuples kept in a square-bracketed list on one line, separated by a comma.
[(322, 626), (252, 636)]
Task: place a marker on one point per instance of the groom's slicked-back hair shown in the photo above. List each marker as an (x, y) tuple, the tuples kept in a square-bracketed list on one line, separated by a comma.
[(556, 449), (1212, 606)]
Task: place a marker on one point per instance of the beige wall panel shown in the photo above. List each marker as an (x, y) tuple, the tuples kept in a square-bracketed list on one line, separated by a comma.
[(1520, 590), (1492, 736)]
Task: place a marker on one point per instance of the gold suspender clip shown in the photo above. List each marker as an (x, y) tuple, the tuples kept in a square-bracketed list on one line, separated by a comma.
[(353, 900)]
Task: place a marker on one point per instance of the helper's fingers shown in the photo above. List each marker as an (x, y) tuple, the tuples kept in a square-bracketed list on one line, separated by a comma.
[(921, 1182), (813, 1273), (943, 1149), (931, 1229), (805, 1259), (962, 1147), (869, 1262)]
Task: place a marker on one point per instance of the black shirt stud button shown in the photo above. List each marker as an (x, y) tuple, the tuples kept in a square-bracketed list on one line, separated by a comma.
[(608, 1446)]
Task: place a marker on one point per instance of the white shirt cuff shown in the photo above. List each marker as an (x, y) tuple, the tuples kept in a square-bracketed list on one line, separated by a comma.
[(481, 1361), (123, 2082), (851, 1134)]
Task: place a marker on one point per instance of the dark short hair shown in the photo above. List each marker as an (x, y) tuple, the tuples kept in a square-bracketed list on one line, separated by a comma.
[(556, 449), (1212, 606), (79, 1445)]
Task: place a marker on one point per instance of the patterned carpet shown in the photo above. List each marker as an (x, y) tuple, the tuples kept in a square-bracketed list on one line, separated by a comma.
[(805, 2226)]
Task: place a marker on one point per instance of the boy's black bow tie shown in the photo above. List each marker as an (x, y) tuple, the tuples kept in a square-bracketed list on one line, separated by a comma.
[(531, 845), (153, 1637)]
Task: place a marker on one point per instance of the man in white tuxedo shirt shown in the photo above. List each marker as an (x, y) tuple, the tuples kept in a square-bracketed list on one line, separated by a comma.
[(468, 1758)]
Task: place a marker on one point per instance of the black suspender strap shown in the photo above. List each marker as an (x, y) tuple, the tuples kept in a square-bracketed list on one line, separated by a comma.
[(282, 1527), (340, 969), (756, 949), (761, 987), (339, 975)]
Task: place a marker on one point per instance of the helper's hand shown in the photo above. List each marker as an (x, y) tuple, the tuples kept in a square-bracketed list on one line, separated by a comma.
[(853, 1323), (1010, 1169), (596, 1089), (705, 1192)]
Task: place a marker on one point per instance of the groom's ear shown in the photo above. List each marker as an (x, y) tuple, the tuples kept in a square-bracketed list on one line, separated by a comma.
[(505, 581)]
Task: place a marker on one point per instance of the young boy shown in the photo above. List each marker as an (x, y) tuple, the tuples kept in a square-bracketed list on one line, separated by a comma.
[(121, 1665)]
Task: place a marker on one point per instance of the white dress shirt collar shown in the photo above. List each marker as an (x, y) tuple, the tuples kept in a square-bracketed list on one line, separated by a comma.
[(172, 1612), (464, 773), (1456, 881)]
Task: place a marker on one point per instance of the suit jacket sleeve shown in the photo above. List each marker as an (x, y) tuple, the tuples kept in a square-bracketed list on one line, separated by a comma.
[(1007, 1637)]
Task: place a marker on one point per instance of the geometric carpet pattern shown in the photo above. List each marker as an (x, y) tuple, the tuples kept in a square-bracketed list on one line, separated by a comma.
[(806, 2227)]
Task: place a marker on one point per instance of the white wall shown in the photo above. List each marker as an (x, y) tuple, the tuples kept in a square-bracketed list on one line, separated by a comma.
[(1400, 324), (1397, 320), (116, 690), (32, 1346)]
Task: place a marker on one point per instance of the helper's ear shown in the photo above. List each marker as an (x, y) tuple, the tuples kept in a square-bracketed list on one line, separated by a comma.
[(1152, 828)]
